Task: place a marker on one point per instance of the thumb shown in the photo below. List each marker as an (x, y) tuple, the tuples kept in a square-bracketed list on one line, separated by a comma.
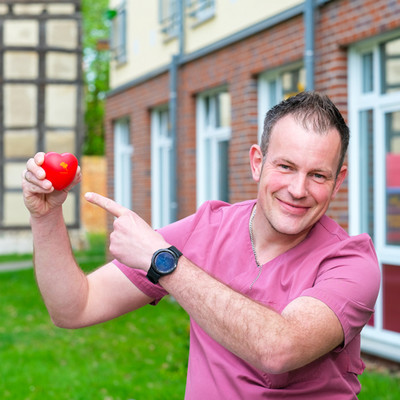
[(106, 204)]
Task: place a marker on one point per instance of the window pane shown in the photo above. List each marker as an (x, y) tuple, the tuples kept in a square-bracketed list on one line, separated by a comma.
[(60, 141), (367, 172), (223, 171), (201, 9), (391, 70), (163, 185), (392, 122), (61, 105), (218, 110), (31, 9), (21, 104), (21, 65), (272, 93), (169, 17), (214, 154), (20, 143), (21, 33), (165, 130), (69, 209), (118, 34), (162, 173), (61, 65), (223, 110), (207, 108), (12, 175), (15, 212), (169, 176), (293, 82), (122, 163), (391, 297), (62, 33), (367, 73), (210, 168)]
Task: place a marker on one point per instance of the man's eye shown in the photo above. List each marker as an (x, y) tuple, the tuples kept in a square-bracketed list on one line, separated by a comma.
[(284, 166), (319, 177)]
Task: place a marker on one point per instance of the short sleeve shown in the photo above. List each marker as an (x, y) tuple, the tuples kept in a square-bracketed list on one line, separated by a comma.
[(348, 283), (176, 234), (138, 278)]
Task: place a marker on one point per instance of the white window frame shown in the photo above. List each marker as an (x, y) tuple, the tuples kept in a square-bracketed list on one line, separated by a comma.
[(375, 339), (207, 170), (161, 169), (123, 151)]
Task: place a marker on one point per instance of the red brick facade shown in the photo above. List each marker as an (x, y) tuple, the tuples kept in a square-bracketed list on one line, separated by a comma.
[(338, 24)]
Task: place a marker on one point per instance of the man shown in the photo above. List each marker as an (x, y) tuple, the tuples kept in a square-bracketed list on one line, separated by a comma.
[(277, 292)]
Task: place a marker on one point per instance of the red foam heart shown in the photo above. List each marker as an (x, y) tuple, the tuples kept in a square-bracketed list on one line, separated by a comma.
[(60, 169)]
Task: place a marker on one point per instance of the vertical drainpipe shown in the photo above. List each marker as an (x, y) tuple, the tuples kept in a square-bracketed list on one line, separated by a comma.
[(173, 71), (173, 109), (309, 43)]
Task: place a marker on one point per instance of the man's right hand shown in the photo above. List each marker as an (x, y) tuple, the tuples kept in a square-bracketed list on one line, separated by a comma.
[(40, 197)]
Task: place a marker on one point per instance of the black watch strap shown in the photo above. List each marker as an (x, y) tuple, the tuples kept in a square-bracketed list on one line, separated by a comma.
[(176, 251), (152, 275)]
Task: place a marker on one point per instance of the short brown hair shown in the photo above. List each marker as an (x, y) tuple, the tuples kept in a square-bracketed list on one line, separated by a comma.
[(311, 109)]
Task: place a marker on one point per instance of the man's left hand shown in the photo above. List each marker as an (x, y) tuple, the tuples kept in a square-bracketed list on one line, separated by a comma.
[(132, 241)]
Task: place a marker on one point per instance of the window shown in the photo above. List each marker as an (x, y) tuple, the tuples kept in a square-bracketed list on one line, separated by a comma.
[(162, 185), (118, 33), (201, 10), (169, 17), (374, 176), (213, 136), (390, 54), (275, 86), (392, 152), (122, 163)]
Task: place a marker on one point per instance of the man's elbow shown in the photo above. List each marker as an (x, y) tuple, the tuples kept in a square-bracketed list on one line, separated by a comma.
[(284, 358), (61, 321)]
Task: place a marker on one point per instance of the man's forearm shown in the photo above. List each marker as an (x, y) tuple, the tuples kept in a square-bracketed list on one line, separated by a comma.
[(232, 319), (272, 342), (62, 283)]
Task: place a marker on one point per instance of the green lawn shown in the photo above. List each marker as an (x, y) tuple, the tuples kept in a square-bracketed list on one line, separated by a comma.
[(141, 356), (138, 356), (379, 386)]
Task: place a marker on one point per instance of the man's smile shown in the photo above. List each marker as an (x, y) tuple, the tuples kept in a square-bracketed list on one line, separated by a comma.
[(293, 208)]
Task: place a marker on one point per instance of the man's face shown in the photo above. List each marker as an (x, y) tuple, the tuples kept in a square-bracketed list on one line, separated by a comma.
[(297, 179)]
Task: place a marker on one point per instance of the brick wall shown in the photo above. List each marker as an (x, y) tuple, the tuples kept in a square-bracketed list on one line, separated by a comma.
[(338, 24)]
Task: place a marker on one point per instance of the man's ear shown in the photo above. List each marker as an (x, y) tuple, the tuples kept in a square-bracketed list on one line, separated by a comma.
[(256, 161), (339, 180)]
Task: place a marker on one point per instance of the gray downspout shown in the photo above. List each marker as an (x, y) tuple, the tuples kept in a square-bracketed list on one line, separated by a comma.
[(173, 86), (309, 43), (173, 109)]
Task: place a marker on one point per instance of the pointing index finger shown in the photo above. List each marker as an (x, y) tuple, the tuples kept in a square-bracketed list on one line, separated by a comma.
[(105, 203)]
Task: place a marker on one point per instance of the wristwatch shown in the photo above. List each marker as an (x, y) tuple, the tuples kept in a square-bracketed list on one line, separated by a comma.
[(163, 262)]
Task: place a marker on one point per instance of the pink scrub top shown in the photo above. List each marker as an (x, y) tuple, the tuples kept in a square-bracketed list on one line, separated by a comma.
[(329, 265)]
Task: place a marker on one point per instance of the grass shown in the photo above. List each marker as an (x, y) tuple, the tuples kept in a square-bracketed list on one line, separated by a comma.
[(379, 386), (140, 356)]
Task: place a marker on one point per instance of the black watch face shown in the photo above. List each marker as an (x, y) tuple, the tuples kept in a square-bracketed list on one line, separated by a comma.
[(164, 262)]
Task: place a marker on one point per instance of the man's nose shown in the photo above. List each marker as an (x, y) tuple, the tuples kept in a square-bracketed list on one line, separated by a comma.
[(298, 186)]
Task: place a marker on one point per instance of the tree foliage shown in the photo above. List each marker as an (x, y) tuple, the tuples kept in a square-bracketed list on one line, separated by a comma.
[(96, 28)]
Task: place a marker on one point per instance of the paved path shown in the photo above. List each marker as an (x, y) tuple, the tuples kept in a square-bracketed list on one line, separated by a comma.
[(15, 265), (26, 264)]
